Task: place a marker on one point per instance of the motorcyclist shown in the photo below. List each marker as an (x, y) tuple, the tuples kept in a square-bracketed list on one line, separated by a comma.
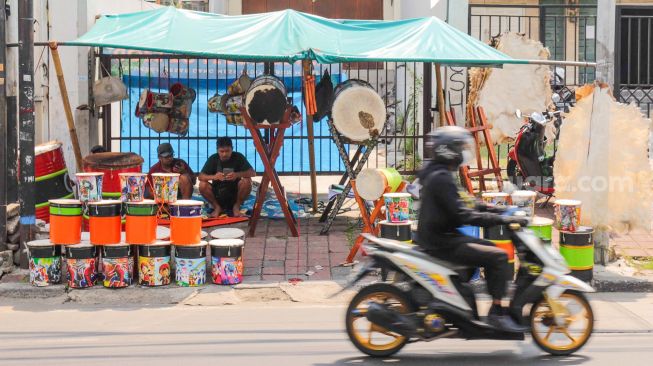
[(442, 212)]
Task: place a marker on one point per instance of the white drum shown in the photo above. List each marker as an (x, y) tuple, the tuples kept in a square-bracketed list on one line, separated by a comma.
[(228, 233), (358, 111)]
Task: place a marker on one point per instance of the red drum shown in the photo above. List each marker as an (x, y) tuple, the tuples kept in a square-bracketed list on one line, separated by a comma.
[(112, 164), (51, 176)]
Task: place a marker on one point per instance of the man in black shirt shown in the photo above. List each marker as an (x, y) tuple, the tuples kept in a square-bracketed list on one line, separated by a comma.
[(226, 179)]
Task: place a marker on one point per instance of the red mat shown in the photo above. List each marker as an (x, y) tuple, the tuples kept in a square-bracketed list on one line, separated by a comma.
[(209, 222)]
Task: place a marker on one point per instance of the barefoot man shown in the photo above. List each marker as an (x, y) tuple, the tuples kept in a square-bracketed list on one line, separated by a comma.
[(226, 179)]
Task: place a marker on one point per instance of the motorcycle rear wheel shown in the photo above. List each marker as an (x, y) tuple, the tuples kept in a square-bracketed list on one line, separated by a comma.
[(543, 325), (363, 336)]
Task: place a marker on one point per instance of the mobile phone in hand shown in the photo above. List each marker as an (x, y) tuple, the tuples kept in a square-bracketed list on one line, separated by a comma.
[(226, 171)]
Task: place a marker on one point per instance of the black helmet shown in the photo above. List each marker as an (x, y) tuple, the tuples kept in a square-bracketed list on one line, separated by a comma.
[(449, 145)]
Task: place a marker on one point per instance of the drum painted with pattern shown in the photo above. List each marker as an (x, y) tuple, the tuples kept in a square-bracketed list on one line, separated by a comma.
[(166, 186), (567, 214), (89, 186), (82, 263), (44, 263), (117, 270), (51, 177), (154, 266), (190, 264), (227, 261), (397, 207), (132, 187)]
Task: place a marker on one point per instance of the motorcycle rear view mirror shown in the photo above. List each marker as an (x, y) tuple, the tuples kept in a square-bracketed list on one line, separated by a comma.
[(518, 114), (538, 117)]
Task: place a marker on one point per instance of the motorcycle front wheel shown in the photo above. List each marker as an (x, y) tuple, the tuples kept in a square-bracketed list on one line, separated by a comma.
[(568, 338), (368, 337)]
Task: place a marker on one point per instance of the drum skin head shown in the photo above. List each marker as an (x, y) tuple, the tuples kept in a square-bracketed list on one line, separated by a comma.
[(358, 112)]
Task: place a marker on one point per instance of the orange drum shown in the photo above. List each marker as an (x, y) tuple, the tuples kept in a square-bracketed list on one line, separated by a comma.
[(104, 218), (65, 221), (186, 222), (141, 222), (508, 247), (112, 164)]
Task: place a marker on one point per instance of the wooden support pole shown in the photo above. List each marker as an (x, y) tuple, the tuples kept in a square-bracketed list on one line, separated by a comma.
[(441, 107), (66, 105), (307, 66)]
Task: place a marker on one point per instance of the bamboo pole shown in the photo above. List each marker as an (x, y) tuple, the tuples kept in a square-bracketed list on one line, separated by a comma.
[(66, 105), (441, 105), (307, 67)]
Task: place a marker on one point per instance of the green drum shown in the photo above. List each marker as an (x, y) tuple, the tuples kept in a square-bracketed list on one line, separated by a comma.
[(578, 250), (543, 228)]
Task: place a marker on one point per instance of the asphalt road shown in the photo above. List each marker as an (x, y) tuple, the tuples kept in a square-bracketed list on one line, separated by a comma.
[(280, 334)]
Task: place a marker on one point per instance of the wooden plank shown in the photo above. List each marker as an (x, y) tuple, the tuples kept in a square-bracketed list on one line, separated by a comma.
[(490, 147), (347, 10), (276, 5), (325, 8), (254, 6), (479, 161), (305, 6), (370, 9)]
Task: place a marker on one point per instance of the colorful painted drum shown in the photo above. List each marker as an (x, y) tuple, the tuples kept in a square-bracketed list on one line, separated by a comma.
[(105, 222), (186, 222), (141, 224), (132, 187), (371, 184), (65, 221), (154, 264), (397, 207), (578, 250), (51, 177), (166, 186), (81, 260), (228, 233), (525, 200), (89, 186), (543, 228), (111, 164), (496, 198), (190, 265), (396, 231), (227, 261), (567, 214), (44, 263), (116, 269)]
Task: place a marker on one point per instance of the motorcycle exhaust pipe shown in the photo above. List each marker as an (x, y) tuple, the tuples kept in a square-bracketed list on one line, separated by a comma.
[(391, 320)]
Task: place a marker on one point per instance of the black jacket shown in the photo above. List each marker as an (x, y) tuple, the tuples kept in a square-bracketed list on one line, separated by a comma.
[(442, 211)]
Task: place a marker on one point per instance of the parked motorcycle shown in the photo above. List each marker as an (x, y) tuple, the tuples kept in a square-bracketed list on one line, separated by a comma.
[(529, 166), (421, 298)]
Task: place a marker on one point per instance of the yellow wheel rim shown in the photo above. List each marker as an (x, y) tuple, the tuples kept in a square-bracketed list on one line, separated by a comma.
[(573, 333), (370, 335)]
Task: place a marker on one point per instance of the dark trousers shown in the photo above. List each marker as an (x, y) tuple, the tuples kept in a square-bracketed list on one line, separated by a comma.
[(477, 252)]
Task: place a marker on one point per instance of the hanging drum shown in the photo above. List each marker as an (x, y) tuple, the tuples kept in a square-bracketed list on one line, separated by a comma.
[(112, 164), (265, 100), (358, 111), (52, 181)]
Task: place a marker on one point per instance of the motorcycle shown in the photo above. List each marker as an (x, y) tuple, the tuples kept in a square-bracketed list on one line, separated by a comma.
[(529, 166), (421, 299)]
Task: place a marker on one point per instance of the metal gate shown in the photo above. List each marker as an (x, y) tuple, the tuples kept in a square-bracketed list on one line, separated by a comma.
[(633, 79)]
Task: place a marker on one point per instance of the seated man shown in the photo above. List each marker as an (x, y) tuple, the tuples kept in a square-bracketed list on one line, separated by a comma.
[(226, 179), (168, 164)]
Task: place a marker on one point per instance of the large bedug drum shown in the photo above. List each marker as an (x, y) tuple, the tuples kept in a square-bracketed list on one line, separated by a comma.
[(265, 100), (112, 164), (51, 176), (358, 111)]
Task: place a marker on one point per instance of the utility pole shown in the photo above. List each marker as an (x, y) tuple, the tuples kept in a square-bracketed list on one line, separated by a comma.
[(26, 182), (3, 131)]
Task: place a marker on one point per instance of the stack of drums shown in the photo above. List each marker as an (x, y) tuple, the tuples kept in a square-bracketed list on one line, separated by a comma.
[(81, 260), (154, 264), (500, 236), (190, 264), (576, 242), (111, 164), (44, 263), (51, 176), (542, 228), (227, 261), (117, 265)]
